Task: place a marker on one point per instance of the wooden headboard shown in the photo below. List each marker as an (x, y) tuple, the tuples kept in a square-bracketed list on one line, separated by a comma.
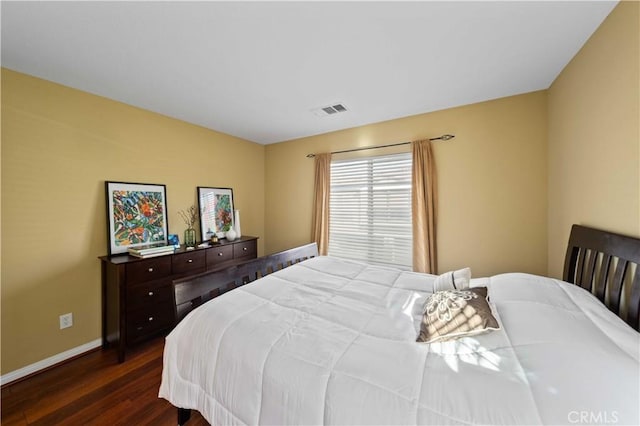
[(607, 265), (191, 292)]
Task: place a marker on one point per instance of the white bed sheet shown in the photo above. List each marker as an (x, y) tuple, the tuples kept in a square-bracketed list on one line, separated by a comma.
[(330, 341)]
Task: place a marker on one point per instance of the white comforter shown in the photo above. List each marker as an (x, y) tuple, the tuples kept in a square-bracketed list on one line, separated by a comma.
[(330, 341)]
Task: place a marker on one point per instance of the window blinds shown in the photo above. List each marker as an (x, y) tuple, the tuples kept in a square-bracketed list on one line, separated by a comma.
[(370, 210)]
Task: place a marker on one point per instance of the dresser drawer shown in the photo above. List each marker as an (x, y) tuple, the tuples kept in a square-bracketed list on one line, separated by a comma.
[(149, 320), (219, 255), (148, 269), (192, 262), (148, 293), (246, 249)]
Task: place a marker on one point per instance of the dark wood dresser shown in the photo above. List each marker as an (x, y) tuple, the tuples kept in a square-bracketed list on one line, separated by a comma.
[(137, 297)]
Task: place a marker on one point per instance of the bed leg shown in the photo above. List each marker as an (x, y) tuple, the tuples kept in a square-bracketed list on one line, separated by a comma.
[(184, 414)]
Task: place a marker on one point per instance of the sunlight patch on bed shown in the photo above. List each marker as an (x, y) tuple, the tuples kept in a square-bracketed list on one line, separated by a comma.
[(468, 350)]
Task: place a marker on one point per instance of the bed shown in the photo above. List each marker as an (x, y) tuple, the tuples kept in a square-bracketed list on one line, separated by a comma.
[(331, 341)]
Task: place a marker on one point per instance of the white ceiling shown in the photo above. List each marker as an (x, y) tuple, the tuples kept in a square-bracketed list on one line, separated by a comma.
[(256, 70)]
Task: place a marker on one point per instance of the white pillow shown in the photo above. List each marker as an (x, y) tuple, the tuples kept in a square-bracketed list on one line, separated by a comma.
[(453, 280)]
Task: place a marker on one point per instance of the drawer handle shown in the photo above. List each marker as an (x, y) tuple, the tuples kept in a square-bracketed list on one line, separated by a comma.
[(244, 249), (190, 261), (219, 254), (150, 319), (150, 293), (150, 269)]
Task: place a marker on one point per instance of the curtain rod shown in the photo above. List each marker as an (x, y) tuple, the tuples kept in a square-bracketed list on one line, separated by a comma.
[(440, 138)]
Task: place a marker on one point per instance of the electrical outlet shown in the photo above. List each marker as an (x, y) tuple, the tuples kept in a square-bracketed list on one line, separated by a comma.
[(66, 320)]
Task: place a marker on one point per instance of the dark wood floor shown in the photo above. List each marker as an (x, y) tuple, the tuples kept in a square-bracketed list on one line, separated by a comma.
[(95, 390)]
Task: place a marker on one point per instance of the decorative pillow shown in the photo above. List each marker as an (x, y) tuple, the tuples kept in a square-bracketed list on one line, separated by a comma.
[(451, 314), (453, 280)]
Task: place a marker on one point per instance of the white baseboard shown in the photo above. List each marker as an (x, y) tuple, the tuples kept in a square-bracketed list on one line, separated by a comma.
[(48, 362)]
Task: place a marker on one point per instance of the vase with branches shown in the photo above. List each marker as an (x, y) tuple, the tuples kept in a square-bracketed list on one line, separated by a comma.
[(189, 217)]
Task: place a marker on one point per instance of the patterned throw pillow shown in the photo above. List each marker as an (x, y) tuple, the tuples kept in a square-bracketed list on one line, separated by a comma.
[(453, 280), (451, 314)]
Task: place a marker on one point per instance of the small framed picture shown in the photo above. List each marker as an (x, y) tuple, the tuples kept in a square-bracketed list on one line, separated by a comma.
[(136, 215), (216, 211)]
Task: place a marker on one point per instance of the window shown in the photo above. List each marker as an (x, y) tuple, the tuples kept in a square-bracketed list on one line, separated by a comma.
[(370, 210)]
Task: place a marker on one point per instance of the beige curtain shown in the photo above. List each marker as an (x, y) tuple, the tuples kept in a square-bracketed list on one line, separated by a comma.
[(320, 221), (424, 207)]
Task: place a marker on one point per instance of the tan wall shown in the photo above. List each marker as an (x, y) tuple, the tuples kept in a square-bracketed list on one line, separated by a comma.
[(59, 145), (491, 180), (594, 136)]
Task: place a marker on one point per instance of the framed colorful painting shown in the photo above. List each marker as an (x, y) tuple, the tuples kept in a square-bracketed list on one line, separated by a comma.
[(136, 215), (216, 211)]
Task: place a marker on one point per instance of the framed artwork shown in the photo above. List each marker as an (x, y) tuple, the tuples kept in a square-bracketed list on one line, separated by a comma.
[(136, 215), (216, 211)]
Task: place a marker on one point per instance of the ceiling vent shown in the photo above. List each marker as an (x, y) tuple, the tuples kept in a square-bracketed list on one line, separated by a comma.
[(329, 110)]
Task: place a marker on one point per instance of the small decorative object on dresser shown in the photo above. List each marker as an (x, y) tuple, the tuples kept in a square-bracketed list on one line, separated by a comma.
[(231, 235), (216, 210), (174, 240), (237, 223), (190, 217), (136, 215)]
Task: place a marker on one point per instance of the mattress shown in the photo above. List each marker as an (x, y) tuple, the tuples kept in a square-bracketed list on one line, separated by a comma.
[(330, 341)]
